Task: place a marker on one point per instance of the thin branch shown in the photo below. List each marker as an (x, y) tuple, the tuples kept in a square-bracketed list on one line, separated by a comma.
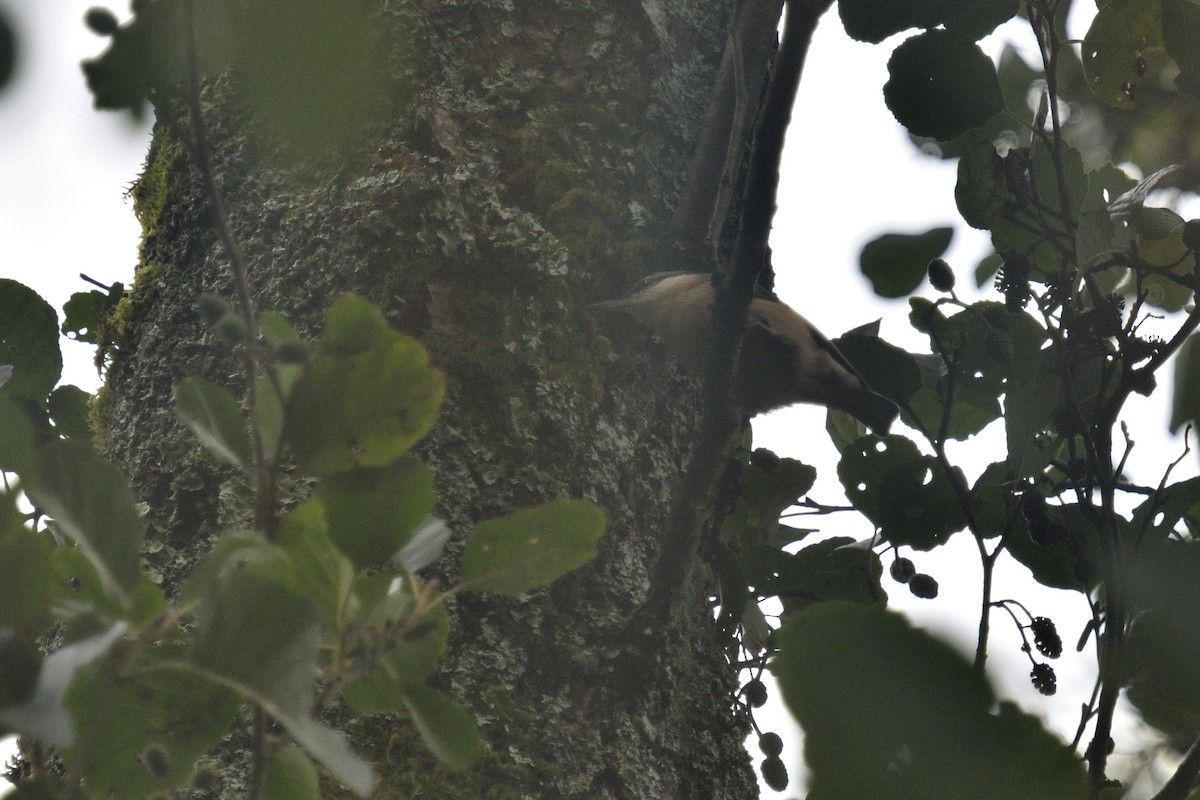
[(264, 510)]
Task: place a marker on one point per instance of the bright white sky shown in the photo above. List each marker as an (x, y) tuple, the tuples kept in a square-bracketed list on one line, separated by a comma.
[(850, 174)]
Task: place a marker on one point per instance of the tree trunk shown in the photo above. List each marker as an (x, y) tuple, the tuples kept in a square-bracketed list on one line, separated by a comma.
[(522, 162)]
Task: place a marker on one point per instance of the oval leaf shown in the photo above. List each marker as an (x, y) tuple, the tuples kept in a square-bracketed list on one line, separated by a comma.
[(90, 501), (372, 513), (28, 342), (889, 711), (70, 408), (941, 85), (211, 412), (895, 263), (446, 726), (531, 548), (1124, 44), (367, 395), (291, 776)]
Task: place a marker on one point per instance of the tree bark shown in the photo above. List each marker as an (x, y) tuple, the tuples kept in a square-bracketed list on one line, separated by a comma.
[(523, 160)]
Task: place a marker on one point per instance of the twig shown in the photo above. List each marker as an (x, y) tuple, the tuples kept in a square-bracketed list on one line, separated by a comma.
[(264, 506)]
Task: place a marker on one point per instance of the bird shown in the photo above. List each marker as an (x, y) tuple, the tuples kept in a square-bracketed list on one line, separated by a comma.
[(784, 359)]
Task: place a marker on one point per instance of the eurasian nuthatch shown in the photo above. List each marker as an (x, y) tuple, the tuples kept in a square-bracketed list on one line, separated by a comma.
[(783, 360)]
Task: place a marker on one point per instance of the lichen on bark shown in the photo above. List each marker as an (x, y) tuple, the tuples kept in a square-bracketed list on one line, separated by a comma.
[(522, 161)]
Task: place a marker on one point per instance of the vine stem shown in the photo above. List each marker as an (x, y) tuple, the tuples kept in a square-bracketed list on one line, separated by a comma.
[(264, 504), (264, 477)]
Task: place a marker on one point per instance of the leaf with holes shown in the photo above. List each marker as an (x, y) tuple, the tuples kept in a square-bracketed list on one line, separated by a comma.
[(905, 493)]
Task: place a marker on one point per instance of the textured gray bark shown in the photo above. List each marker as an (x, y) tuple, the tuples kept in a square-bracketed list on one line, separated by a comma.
[(523, 162)]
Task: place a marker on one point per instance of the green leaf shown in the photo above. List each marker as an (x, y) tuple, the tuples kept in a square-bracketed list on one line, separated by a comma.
[(28, 342), (147, 53), (977, 18), (275, 328), (254, 629), (1162, 649), (20, 667), (889, 711), (43, 716), (329, 747), (982, 192), (372, 513), (121, 718), (410, 658), (17, 436), (834, 569), (986, 269), (26, 574), (992, 500), (1156, 518), (70, 408), (1097, 235), (322, 572), (870, 22), (312, 68), (352, 326), (367, 395), (1185, 403), (764, 495), (90, 501), (902, 491), (1028, 407), (889, 370), (423, 635), (1044, 172), (941, 85), (1181, 33), (269, 417), (843, 429), (291, 776), (895, 263), (78, 587), (256, 634), (446, 726), (532, 547), (1123, 45), (970, 412), (1068, 553), (211, 412), (84, 313)]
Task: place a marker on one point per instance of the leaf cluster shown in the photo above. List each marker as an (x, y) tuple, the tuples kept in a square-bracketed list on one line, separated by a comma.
[(318, 603), (1082, 260)]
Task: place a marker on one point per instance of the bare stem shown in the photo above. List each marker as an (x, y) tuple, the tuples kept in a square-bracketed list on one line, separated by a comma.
[(264, 510)]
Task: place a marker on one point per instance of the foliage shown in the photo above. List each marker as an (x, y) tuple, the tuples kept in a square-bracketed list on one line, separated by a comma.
[(139, 688), (1082, 261)]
